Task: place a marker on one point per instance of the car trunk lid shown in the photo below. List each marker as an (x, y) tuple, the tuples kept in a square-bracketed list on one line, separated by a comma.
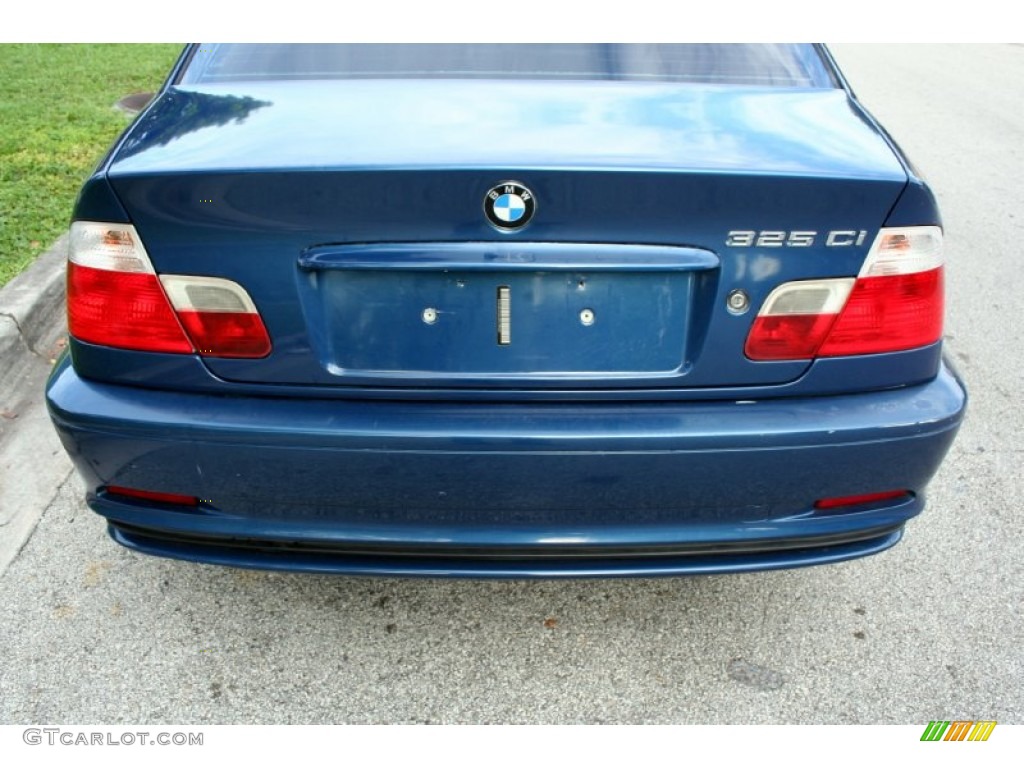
[(353, 214)]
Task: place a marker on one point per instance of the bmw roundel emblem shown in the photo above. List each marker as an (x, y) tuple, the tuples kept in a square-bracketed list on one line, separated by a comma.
[(509, 205)]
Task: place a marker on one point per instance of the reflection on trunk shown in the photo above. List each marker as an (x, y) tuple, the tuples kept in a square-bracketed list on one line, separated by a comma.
[(192, 112)]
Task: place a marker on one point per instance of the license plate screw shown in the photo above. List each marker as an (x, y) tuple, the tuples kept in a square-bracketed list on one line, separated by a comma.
[(429, 315), (587, 317)]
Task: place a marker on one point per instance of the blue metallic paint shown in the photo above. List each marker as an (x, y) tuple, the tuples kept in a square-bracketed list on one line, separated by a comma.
[(827, 376), (441, 124), (601, 474), (242, 238), (722, 450), (288, 167), (363, 307)]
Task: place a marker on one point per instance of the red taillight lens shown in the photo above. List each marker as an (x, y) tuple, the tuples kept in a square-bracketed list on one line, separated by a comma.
[(896, 303), (115, 299), (163, 498), (863, 498), (219, 334), (787, 336), (887, 314), (122, 309)]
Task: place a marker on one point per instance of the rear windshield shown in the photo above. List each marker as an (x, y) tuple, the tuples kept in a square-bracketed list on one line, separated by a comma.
[(786, 66)]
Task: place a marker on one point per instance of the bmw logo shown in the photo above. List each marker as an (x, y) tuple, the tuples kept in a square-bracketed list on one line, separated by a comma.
[(509, 205)]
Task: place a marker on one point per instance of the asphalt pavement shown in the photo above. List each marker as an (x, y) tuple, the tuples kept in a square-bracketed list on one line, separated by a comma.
[(931, 629)]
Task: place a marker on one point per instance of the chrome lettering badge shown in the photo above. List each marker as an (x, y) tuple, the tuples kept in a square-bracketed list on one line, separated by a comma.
[(509, 205), (837, 238)]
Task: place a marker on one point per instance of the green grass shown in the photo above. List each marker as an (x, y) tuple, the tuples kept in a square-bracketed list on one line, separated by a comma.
[(56, 122)]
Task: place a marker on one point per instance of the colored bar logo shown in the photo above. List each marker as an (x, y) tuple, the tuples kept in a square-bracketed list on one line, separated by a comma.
[(958, 730)]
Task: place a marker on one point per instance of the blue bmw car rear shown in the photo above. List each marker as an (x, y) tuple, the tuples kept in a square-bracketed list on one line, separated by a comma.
[(506, 311)]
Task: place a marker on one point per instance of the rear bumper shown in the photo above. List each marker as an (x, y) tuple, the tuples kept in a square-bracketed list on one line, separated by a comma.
[(505, 490)]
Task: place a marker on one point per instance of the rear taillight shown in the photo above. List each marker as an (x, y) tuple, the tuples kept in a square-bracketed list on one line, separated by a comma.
[(114, 296), (796, 318), (218, 316), (895, 303), (116, 299)]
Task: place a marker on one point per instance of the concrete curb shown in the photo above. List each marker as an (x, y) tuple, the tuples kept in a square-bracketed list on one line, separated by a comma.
[(32, 463), (32, 314)]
